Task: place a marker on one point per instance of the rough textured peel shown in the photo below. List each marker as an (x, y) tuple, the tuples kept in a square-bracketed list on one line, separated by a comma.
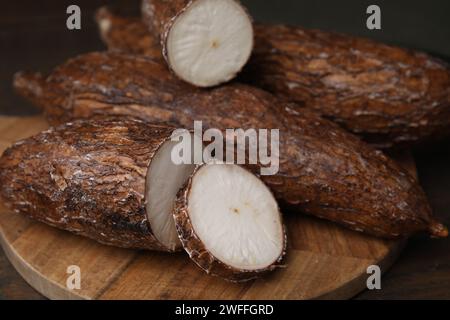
[(388, 95), (229, 223), (324, 171), (89, 177), (126, 34)]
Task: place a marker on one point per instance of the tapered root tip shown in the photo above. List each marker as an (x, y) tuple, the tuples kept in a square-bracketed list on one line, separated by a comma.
[(103, 14), (103, 19), (29, 85), (438, 230)]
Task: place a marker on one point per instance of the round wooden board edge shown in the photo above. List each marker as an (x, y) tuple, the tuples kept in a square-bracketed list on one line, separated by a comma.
[(352, 288), (54, 291), (49, 289)]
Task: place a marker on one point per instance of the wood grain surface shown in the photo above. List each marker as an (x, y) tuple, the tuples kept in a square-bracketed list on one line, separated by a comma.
[(323, 261)]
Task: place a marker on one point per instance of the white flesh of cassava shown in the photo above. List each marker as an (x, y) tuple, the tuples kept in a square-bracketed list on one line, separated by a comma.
[(236, 217), (164, 179), (210, 42)]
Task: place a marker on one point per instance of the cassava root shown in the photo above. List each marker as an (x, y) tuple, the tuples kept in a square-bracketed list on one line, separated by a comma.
[(387, 95), (324, 171), (205, 42)]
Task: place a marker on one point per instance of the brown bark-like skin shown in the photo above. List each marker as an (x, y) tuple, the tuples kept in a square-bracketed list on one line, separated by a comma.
[(388, 95), (200, 254), (86, 177), (159, 16), (324, 171), (126, 34)]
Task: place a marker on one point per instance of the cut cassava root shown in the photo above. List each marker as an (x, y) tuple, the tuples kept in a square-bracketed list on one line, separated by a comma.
[(114, 181), (89, 177), (229, 223), (387, 95), (324, 171), (205, 42), (164, 179)]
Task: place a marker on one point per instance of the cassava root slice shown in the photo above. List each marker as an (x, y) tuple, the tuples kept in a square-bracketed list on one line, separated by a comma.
[(387, 95), (89, 177), (324, 171), (229, 223), (205, 42)]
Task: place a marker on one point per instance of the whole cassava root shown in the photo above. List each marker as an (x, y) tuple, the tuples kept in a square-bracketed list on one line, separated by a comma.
[(89, 177), (387, 95), (205, 42), (324, 171)]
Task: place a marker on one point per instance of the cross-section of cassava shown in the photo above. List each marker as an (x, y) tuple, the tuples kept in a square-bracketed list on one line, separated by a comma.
[(323, 170), (229, 223), (205, 42), (388, 95), (111, 181)]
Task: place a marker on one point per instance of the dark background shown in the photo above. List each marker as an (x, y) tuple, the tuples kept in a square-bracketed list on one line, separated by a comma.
[(33, 36)]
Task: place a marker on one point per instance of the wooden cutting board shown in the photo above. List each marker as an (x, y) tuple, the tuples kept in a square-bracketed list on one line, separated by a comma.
[(323, 261)]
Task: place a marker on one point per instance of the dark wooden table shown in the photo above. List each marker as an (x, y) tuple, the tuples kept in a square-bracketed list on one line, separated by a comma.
[(33, 36)]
